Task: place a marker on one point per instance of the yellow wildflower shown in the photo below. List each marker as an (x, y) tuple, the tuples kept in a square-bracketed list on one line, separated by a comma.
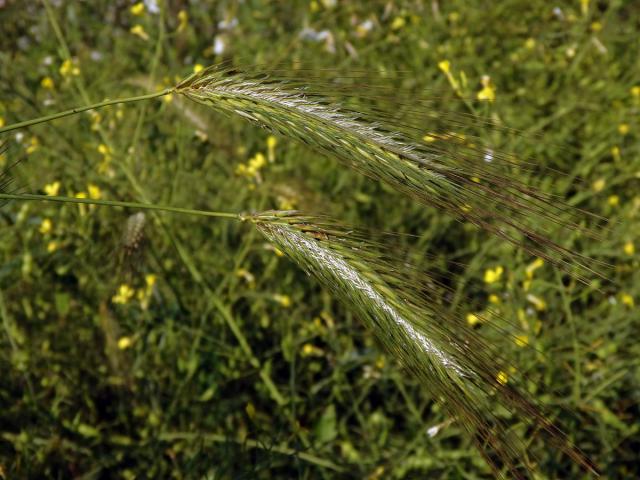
[(103, 149), (493, 275), (596, 27), (137, 9), (183, 18), (533, 266), (310, 350), (197, 68), (635, 91), (613, 200), (283, 300), (246, 275), (502, 378), (598, 185), (488, 91), (623, 128), (34, 144), (584, 7), (629, 248), (125, 293), (398, 23), (46, 226), (52, 189), (472, 319), (271, 147), (530, 43), (627, 300), (124, 343), (68, 69), (495, 299), (94, 191), (445, 66), (47, 83), (257, 162), (1, 122), (81, 195), (429, 138), (52, 246), (138, 31), (615, 153)]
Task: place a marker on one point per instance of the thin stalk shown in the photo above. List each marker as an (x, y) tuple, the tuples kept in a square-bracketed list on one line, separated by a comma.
[(115, 203), (73, 111)]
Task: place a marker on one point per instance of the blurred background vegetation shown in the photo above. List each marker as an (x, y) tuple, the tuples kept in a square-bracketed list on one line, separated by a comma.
[(137, 345)]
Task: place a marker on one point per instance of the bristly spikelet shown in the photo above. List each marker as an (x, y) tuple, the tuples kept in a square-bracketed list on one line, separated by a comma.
[(460, 369), (468, 183)]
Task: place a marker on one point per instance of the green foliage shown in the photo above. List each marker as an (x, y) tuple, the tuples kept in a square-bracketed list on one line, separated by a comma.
[(199, 350)]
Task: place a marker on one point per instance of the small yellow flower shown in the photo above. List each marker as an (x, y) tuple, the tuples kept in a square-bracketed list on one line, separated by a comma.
[(445, 66), (283, 300), (533, 266), (124, 343), (635, 91), (94, 191), (278, 252), (81, 195), (429, 138), (197, 68), (1, 122), (52, 189), (502, 378), (613, 200), (493, 275), (137, 9), (629, 248), (495, 299), (271, 147), (47, 83), (596, 27), (530, 43), (150, 279), (627, 300), (125, 293), (472, 319), (103, 149), (310, 350), (183, 18), (398, 23), (521, 340), (46, 226), (598, 185), (138, 31), (623, 129), (257, 162), (52, 246), (68, 69), (34, 144), (488, 91), (615, 153)]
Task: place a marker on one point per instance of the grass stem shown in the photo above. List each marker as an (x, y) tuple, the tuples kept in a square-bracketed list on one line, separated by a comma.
[(115, 203), (73, 111)]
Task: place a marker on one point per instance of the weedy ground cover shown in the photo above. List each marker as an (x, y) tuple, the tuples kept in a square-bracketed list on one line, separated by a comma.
[(140, 343)]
